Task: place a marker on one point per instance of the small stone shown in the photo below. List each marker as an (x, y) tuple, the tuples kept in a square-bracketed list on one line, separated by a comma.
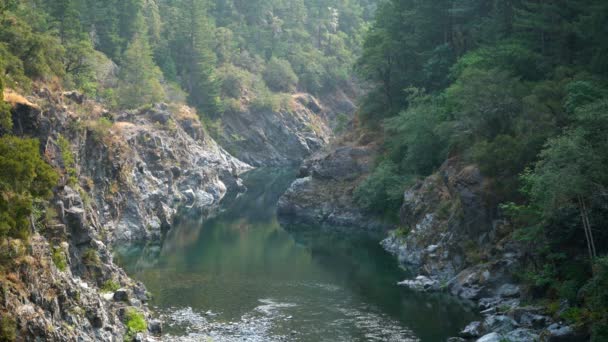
[(562, 333), (107, 296), (155, 327), (491, 337), (121, 295), (471, 330), (499, 323), (521, 335), (508, 290)]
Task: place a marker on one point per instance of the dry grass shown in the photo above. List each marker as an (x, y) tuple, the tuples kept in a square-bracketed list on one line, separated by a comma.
[(15, 98), (122, 126), (182, 112)]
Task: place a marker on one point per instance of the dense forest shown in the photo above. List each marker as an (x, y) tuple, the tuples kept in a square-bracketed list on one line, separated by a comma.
[(214, 55), (206, 51), (520, 89)]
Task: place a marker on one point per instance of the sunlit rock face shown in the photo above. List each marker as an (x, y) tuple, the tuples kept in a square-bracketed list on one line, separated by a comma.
[(285, 135), (124, 174)]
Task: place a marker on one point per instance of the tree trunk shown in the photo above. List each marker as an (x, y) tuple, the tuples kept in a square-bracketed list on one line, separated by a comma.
[(587, 227)]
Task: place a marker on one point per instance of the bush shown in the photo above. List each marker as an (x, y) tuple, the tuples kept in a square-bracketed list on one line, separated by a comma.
[(90, 257), (266, 101), (234, 81), (279, 75), (382, 191), (69, 163), (412, 138), (110, 286), (8, 329), (59, 258), (595, 293), (135, 323), (24, 178)]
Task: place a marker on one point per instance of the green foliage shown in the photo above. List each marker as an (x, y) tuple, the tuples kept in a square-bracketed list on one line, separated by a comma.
[(69, 163), (382, 191), (139, 76), (279, 76), (90, 257), (413, 141), (517, 88), (595, 294), (59, 258), (110, 286), (6, 121), (8, 328), (24, 178), (135, 323)]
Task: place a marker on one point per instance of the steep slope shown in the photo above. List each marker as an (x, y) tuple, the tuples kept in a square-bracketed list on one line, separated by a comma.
[(286, 135), (124, 176)]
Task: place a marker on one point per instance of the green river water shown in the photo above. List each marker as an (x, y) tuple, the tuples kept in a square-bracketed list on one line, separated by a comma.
[(240, 276)]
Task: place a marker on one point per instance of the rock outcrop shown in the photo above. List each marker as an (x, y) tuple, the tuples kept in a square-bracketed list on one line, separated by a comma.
[(264, 137), (323, 193), (453, 237), (124, 174)]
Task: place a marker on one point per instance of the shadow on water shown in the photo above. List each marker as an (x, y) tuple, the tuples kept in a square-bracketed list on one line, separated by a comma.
[(240, 276)]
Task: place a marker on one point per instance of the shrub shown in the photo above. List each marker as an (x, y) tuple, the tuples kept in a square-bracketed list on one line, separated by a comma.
[(8, 329), (595, 293), (69, 162), (90, 257), (135, 323), (279, 75), (59, 258), (110, 286), (382, 191), (24, 178)]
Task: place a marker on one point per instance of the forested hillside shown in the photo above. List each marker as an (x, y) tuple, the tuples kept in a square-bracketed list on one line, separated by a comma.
[(207, 51), (519, 88), (214, 55)]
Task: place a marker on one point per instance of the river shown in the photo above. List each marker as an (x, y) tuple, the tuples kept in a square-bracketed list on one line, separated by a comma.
[(240, 276)]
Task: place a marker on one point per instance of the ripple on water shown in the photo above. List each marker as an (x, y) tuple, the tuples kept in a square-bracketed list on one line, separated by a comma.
[(261, 325)]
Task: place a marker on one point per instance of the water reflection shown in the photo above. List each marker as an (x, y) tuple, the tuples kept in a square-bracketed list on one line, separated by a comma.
[(240, 276)]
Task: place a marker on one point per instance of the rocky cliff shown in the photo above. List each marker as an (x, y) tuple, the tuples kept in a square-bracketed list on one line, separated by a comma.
[(285, 136), (124, 174), (323, 193)]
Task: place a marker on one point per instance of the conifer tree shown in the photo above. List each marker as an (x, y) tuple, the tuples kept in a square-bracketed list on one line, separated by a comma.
[(139, 75)]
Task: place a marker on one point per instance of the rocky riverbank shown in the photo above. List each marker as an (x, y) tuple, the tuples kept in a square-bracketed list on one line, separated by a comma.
[(124, 174), (451, 235), (454, 237), (323, 193)]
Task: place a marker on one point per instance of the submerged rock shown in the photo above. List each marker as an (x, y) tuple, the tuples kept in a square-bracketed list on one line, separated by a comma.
[(421, 283)]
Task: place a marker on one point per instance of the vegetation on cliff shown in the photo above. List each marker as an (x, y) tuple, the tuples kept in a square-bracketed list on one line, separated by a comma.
[(520, 89)]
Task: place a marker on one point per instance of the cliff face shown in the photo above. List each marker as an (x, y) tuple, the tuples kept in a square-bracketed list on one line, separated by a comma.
[(124, 176), (263, 137), (323, 193)]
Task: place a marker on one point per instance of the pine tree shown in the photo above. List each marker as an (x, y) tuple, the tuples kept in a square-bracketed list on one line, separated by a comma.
[(139, 75)]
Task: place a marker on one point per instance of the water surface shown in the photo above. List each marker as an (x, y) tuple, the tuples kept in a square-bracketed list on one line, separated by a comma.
[(240, 276)]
